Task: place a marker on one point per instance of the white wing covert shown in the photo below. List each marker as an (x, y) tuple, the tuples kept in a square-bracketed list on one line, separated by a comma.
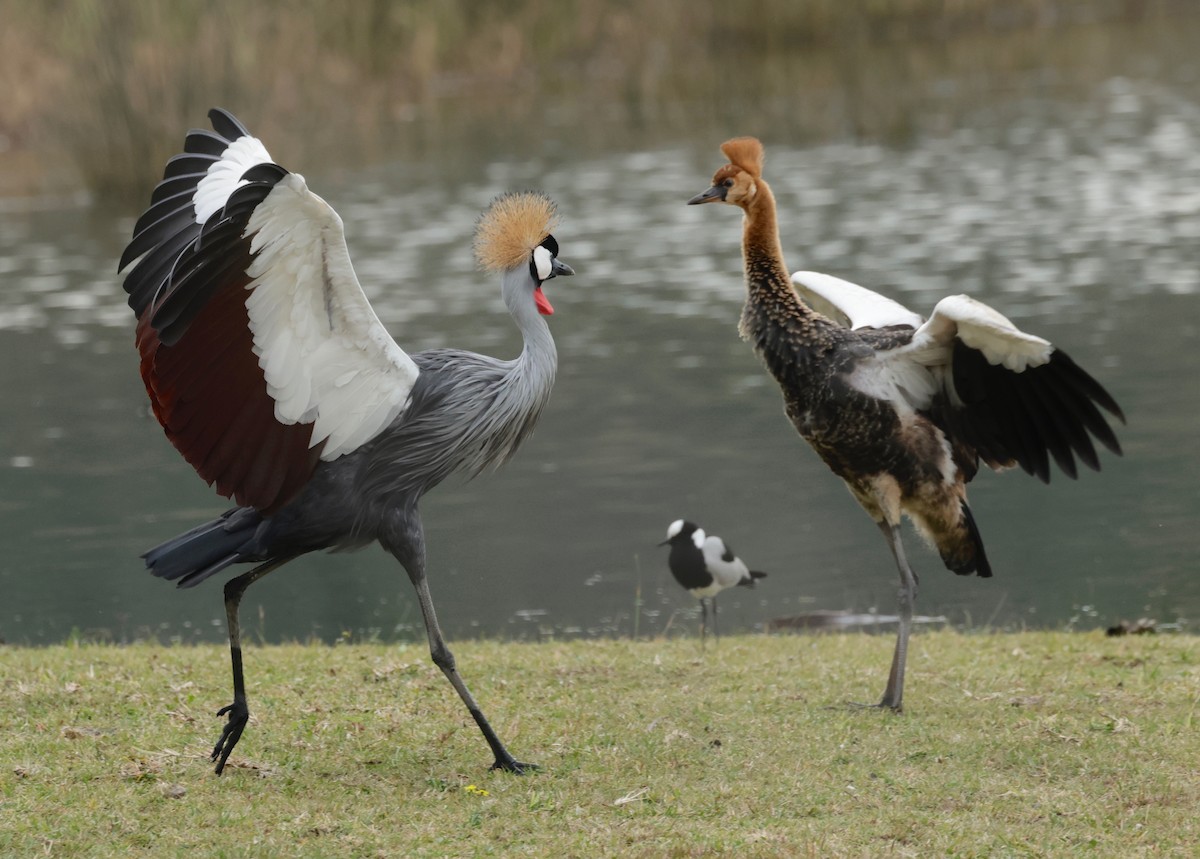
[(849, 304), (326, 357)]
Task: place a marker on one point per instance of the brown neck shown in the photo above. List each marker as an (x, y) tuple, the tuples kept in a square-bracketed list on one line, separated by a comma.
[(766, 272)]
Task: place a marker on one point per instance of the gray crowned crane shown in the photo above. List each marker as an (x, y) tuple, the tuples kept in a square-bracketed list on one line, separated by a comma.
[(704, 565), (274, 378), (902, 408)]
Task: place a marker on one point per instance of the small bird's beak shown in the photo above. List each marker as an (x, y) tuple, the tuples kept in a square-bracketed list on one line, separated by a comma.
[(664, 542), (558, 267), (715, 194)]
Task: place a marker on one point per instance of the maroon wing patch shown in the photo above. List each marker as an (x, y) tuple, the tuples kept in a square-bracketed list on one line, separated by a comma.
[(189, 291)]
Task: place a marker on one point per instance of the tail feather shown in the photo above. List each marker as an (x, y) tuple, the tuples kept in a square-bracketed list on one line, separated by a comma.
[(205, 550), (751, 578), (966, 555)]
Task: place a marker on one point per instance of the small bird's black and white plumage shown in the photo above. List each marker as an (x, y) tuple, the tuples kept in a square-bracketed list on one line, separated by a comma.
[(705, 565), (273, 377), (902, 408)]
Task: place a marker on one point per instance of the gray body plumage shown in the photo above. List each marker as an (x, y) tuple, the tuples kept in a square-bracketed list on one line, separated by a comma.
[(467, 412)]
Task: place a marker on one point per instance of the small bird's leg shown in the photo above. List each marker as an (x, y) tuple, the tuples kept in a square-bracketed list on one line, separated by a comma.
[(893, 695), (238, 711), (716, 625), (703, 621)]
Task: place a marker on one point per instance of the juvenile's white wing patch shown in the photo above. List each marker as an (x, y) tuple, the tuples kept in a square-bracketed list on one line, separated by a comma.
[(849, 304), (896, 377), (979, 327), (324, 353)]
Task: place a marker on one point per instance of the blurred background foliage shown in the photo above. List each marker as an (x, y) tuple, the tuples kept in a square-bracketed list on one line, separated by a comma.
[(94, 90)]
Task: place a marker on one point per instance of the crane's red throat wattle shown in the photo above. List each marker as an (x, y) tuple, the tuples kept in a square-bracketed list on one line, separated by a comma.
[(543, 303)]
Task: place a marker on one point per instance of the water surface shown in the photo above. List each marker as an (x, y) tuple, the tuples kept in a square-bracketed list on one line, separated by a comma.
[(1078, 217)]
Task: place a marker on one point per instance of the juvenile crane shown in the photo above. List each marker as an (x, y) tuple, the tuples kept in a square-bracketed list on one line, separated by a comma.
[(274, 378), (902, 408), (705, 565)]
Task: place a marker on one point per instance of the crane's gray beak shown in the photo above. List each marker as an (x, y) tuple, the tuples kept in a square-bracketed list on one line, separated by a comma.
[(558, 267), (715, 194)]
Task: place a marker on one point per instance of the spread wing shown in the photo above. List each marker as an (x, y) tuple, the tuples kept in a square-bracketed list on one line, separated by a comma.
[(1009, 397), (259, 349), (999, 394)]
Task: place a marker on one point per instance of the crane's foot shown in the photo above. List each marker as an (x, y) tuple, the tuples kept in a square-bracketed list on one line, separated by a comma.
[(511, 765), (855, 705), (239, 715)]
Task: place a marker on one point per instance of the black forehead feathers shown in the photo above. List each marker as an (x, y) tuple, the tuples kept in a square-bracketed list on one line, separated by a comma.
[(551, 245)]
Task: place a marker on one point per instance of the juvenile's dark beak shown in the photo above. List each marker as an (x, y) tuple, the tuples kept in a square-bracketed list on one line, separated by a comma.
[(715, 194), (560, 268)]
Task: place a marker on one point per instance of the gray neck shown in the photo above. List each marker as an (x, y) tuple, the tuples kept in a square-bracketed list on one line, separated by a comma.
[(539, 357), (469, 412)]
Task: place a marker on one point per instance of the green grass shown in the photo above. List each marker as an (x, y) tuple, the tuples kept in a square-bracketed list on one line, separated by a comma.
[(1030, 744)]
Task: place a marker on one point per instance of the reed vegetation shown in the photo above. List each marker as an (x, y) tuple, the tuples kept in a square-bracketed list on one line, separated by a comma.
[(99, 89)]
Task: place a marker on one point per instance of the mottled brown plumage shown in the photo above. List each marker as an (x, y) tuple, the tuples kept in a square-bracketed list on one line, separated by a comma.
[(887, 466), (896, 410)]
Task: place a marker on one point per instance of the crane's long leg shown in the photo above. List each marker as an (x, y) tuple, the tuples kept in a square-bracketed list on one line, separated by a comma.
[(238, 711), (893, 695), (444, 659)]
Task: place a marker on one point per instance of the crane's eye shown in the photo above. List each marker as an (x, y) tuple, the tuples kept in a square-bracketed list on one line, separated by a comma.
[(728, 183)]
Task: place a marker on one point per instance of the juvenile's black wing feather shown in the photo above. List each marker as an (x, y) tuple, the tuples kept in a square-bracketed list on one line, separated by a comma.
[(1029, 417)]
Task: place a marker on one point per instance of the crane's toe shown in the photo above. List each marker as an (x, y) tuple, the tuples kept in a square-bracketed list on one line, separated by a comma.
[(512, 765), (857, 705), (239, 715)]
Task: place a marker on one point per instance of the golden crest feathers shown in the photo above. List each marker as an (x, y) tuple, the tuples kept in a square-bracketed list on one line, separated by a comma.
[(512, 226), (745, 152)]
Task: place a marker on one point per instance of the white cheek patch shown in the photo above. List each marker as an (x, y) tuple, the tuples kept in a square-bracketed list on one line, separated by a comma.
[(542, 262), (698, 538)]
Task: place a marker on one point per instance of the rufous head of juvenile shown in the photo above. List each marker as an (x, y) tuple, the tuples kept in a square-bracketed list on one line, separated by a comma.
[(739, 181)]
